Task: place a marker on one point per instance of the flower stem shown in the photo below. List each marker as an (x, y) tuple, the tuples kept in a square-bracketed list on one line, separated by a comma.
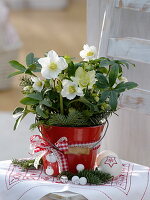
[(61, 105)]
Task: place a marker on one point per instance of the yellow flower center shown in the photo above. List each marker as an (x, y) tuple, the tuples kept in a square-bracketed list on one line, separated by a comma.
[(72, 89), (84, 83), (39, 83), (90, 53), (53, 66)]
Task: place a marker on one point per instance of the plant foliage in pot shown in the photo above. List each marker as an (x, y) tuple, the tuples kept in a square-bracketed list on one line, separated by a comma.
[(71, 100)]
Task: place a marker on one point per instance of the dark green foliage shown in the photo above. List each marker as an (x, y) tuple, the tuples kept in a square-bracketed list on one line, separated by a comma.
[(73, 119), (102, 81), (113, 74), (95, 177), (92, 109)]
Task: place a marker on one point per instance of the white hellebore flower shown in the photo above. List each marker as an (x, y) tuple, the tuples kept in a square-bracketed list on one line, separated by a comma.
[(84, 79), (52, 65), (88, 52), (37, 84), (70, 90)]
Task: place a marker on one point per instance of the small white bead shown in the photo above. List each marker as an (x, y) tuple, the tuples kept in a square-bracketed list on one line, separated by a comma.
[(83, 181), (75, 180), (80, 167), (64, 179)]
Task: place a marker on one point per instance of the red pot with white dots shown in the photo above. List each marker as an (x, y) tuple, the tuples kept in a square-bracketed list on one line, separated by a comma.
[(76, 136), (50, 164)]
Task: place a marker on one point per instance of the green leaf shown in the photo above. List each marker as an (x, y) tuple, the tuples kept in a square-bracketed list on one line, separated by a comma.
[(113, 74), (102, 81), (20, 118), (17, 123), (103, 70), (130, 85), (28, 71), (113, 100), (15, 64), (92, 107), (30, 59), (18, 112), (120, 87), (41, 112), (72, 69), (14, 74), (29, 101), (126, 63), (37, 96), (46, 103), (104, 96), (32, 67), (106, 62)]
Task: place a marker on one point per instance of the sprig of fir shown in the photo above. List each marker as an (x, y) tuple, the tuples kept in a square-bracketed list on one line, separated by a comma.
[(24, 164), (95, 177)]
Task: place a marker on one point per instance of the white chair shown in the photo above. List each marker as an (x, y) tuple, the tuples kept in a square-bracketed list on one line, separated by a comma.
[(120, 29)]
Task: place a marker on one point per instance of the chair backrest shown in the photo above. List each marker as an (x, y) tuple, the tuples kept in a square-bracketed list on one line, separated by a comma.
[(120, 29)]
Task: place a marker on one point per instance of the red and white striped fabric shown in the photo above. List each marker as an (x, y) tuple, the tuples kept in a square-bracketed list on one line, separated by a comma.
[(39, 144)]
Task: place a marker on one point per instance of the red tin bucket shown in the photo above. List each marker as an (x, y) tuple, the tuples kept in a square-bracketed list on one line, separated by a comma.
[(75, 135)]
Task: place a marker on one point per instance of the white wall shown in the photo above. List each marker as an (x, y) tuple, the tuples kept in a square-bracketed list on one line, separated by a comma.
[(37, 4)]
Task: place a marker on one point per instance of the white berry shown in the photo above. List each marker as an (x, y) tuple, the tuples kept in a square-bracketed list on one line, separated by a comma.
[(83, 181), (49, 171), (51, 158), (80, 167), (75, 180)]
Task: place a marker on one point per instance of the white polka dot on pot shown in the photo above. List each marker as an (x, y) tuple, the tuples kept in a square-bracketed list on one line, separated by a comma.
[(49, 171), (80, 167), (51, 158)]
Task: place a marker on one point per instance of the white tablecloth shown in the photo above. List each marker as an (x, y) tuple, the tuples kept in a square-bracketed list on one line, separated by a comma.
[(132, 184)]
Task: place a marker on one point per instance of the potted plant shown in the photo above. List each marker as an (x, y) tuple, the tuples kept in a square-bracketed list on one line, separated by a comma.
[(71, 101)]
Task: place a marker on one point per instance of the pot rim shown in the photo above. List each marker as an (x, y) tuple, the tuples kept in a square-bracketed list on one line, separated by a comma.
[(74, 126)]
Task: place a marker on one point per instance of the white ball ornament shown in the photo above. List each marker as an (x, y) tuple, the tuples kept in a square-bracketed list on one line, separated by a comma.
[(51, 158), (83, 181), (111, 164), (49, 171), (80, 167), (103, 154), (75, 180), (64, 179)]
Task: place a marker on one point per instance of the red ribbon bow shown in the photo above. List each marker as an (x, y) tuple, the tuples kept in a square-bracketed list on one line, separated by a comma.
[(39, 144)]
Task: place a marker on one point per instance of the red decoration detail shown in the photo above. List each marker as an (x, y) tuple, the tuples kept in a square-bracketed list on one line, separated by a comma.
[(46, 164), (39, 144), (111, 161)]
